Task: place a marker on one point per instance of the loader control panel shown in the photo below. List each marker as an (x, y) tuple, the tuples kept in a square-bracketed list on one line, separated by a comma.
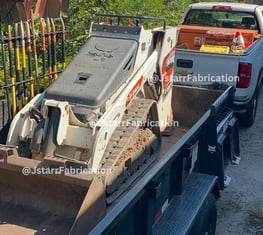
[(122, 24)]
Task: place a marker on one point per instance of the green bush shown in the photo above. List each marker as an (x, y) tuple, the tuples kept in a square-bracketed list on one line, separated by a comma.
[(2, 90), (256, 216)]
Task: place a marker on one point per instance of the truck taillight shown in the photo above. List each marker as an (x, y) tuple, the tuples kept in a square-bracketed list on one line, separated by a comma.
[(244, 74)]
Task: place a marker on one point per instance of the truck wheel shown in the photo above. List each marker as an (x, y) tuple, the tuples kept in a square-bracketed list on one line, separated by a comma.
[(206, 221), (247, 119)]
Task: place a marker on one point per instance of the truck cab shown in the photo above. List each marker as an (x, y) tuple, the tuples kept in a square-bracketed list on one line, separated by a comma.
[(207, 51)]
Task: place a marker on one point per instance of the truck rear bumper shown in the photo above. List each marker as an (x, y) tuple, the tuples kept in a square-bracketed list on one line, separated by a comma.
[(240, 104)]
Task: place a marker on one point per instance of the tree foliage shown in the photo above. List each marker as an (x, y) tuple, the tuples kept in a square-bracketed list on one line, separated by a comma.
[(81, 13), (78, 22)]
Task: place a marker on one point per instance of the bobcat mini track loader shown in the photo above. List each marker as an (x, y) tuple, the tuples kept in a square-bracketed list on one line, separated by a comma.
[(74, 148)]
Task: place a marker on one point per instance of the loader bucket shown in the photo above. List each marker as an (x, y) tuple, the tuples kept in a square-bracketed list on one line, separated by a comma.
[(48, 204)]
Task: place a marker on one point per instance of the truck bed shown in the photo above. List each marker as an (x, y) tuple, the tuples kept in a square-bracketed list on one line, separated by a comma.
[(191, 109), (193, 37)]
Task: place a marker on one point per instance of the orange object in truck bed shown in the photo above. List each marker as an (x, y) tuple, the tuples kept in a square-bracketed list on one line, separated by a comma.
[(220, 38), (192, 37)]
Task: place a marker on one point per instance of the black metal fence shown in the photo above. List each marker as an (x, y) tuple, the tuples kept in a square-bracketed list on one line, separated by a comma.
[(4, 124), (32, 55)]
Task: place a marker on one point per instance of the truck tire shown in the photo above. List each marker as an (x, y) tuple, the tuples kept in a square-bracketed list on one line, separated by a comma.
[(206, 221), (247, 119)]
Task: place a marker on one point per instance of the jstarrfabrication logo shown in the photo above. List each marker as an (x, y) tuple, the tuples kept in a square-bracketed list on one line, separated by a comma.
[(63, 171), (209, 78)]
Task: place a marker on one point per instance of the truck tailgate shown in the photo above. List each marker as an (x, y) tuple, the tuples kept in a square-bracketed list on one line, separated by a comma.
[(205, 68)]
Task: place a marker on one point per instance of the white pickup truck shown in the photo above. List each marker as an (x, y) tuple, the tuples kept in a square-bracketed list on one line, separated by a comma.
[(221, 43)]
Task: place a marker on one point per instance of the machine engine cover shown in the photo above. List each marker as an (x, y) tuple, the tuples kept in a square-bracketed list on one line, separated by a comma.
[(96, 72)]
